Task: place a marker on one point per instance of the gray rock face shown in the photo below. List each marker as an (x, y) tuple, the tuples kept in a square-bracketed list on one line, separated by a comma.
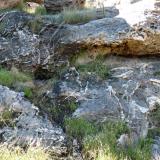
[(21, 44), (129, 94), (29, 127)]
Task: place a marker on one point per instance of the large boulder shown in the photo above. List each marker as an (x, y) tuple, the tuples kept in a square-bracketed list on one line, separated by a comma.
[(21, 124), (31, 43), (135, 31), (20, 42), (9, 3)]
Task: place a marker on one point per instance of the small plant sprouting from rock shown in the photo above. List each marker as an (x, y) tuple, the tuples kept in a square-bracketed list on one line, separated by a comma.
[(6, 118), (9, 78), (155, 116), (95, 67), (28, 93), (41, 10), (78, 128), (35, 25), (60, 112), (13, 79)]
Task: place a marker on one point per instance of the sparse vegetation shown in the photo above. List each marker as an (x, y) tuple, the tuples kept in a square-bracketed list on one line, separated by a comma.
[(14, 77), (99, 142), (95, 67), (79, 128), (74, 16), (6, 118), (41, 10), (157, 73), (19, 154), (59, 113), (155, 116), (35, 25), (28, 93), (9, 78)]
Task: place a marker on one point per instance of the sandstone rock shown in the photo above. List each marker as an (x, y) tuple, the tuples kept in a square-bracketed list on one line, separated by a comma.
[(9, 3), (39, 43), (36, 1), (126, 34)]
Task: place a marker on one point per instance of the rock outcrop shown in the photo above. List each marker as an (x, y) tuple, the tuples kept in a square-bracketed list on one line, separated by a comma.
[(44, 46), (30, 43), (28, 127), (118, 35), (131, 93)]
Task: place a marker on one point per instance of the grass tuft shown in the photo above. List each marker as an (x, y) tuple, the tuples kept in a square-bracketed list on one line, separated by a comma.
[(28, 93), (19, 154), (103, 145), (9, 78), (99, 141), (6, 118), (78, 128), (95, 67), (74, 16)]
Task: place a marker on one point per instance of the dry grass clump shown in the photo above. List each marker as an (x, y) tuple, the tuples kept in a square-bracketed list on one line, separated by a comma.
[(19, 154), (74, 16)]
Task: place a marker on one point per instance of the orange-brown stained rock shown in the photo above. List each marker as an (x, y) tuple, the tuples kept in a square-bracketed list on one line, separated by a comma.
[(36, 1), (4, 4)]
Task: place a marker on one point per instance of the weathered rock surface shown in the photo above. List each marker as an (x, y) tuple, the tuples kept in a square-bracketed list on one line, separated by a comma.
[(20, 45), (118, 35), (156, 149), (9, 3), (31, 43), (36, 1), (30, 129), (130, 93)]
